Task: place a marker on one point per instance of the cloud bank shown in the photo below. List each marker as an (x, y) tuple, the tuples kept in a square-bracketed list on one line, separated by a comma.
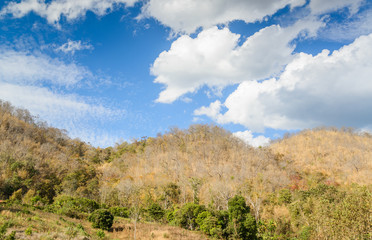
[(321, 6), (37, 82), (188, 15), (55, 10), (35, 68), (326, 89), (214, 58)]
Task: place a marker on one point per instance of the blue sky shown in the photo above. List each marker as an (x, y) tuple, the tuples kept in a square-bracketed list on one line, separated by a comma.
[(114, 70)]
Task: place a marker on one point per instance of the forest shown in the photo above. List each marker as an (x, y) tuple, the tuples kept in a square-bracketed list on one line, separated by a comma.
[(314, 184)]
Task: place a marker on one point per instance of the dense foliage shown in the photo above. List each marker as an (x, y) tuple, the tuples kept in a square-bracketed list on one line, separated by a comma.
[(101, 218)]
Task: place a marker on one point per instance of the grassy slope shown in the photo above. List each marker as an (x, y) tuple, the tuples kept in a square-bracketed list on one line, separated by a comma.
[(45, 225)]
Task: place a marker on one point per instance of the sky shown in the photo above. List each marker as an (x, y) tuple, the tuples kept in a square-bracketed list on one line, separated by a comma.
[(109, 71)]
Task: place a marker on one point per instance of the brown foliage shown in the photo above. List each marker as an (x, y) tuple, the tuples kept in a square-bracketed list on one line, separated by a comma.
[(333, 156)]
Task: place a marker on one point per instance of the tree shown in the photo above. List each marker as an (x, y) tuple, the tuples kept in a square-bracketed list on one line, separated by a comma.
[(101, 218), (242, 225), (186, 216)]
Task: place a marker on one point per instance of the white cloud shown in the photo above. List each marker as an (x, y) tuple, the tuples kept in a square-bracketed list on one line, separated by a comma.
[(214, 58), (72, 46), (248, 138), (354, 27), (24, 67), (326, 89), (26, 80), (51, 105), (188, 15), (212, 111), (68, 112), (54, 10), (321, 6)]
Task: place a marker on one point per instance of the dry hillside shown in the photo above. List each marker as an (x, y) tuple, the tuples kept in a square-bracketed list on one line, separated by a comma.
[(315, 184), (338, 156)]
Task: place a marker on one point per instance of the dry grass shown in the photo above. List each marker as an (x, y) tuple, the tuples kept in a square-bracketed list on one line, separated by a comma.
[(124, 229), (337, 156), (47, 226)]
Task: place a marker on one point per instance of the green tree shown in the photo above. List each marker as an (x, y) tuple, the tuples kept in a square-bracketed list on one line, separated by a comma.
[(156, 212), (186, 216), (102, 219), (242, 225)]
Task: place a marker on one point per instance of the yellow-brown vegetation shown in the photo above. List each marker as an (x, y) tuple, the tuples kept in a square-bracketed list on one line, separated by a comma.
[(336, 156), (315, 184)]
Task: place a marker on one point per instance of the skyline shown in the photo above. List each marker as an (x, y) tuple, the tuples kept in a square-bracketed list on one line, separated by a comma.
[(112, 70)]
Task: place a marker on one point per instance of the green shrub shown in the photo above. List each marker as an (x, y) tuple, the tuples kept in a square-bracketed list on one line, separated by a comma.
[(237, 208), (11, 236), (28, 231), (210, 224), (170, 215), (3, 229), (119, 211), (100, 234), (186, 216), (285, 196), (250, 227), (156, 212), (242, 225), (73, 207), (332, 213), (102, 219)]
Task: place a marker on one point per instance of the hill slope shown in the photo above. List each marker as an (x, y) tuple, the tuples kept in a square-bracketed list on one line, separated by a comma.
[(315, 184), (339, 156)]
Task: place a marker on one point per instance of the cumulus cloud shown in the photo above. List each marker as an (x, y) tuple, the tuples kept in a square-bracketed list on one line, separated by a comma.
[(25, 67), (188, 15), (326, 89), (54, 10), (215, 58), (72, 46), (248, 138)]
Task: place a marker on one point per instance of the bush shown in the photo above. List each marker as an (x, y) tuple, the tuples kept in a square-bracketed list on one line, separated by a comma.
[(11, 236), (186, 216), (242, 225), (73, 207), (250, 227), (119, 211), (28, 231), (156, 212), (237, 208), (170, 215), (3, 229), (285, 196), (102, 219), (210, 224), (100, 234)]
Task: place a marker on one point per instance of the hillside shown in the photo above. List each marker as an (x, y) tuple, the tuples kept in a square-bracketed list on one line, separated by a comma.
[(29, 223), (315, 184), (338, 156)]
